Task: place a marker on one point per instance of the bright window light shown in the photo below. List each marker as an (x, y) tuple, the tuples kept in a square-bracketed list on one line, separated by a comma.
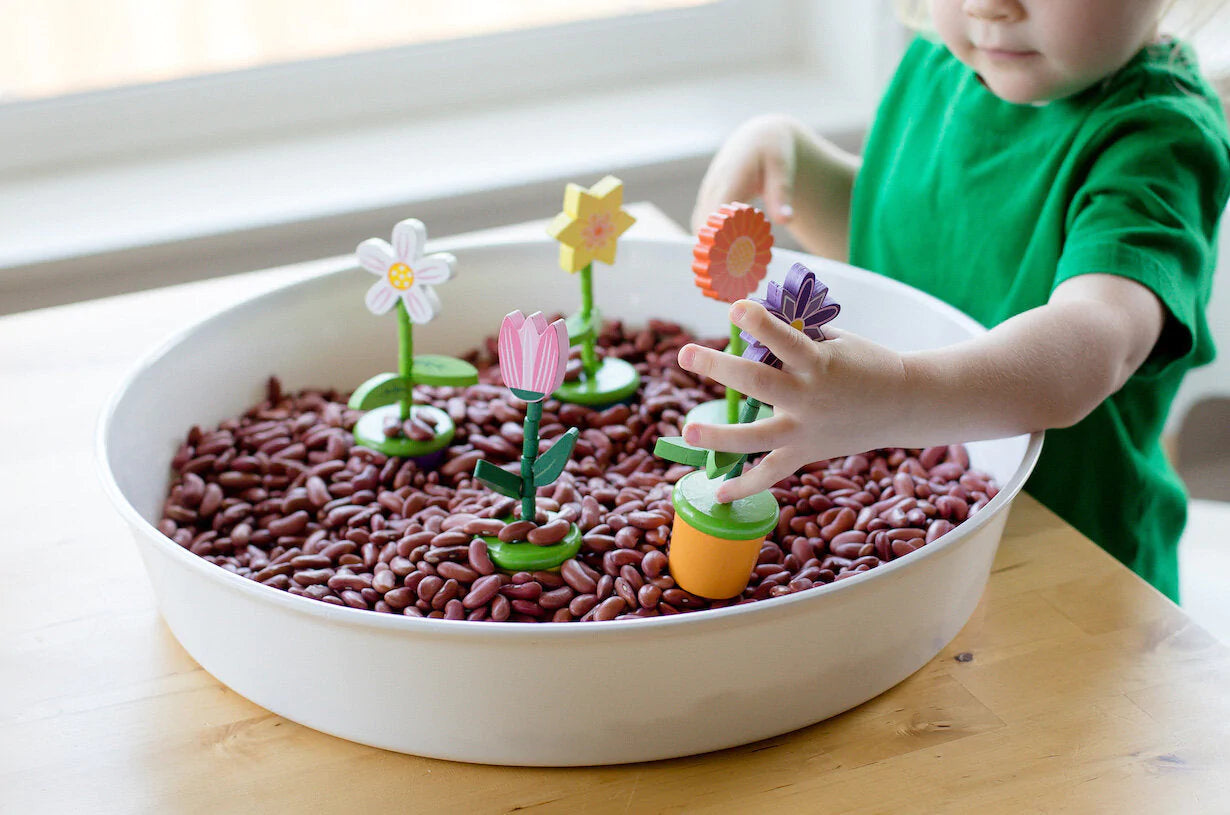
[(52, 48)]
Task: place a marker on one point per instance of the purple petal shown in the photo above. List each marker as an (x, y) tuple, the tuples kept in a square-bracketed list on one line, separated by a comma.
[(773, 297), (759, 353), (802, 295), (822, 314)]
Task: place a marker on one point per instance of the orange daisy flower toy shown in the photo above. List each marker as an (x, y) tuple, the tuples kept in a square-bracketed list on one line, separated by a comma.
[(731, 257)]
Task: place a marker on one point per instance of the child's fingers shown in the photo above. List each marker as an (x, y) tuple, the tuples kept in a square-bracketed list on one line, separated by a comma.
[(765, 383), (771, 469), (791, 346), (753, 437), (779, 179)]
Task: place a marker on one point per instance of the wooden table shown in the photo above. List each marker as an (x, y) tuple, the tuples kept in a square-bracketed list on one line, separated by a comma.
[(1078, 688)]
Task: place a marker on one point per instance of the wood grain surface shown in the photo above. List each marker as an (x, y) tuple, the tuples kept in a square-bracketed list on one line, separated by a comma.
[(1075, 687)]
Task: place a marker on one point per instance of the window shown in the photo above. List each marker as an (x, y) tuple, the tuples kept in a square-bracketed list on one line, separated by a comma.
[(201, 72), (59, 47)]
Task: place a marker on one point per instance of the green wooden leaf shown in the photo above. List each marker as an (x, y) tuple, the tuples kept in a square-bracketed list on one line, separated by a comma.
[(528, 396), (499, 479), (578, 327), (380, 390), (718, 463), (551, 463), (674, 448), (434, 369)]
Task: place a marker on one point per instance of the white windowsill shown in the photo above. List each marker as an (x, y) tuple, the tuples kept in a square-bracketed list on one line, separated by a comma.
[(56, 230)]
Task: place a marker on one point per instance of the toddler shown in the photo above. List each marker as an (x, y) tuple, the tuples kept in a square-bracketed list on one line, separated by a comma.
[(1053, 168)]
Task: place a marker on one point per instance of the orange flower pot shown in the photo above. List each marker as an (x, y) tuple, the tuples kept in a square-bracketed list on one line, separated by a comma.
[(714, 546)]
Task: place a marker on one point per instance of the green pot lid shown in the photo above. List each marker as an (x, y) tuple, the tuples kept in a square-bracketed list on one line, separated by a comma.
[(714, 412), (369, 432), (751, 517), (614, 381), (523, 556)]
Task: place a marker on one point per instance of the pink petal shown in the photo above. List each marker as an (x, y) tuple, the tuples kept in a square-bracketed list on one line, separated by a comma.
[(418, 304), (546, 363), (435, 269), (534, 331), (509, 349), (558, 337), (375, 255), (409, 237), (380, 297)]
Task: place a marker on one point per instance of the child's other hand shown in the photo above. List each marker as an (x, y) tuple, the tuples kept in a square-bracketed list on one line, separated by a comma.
[(757, 161), (840, 396)]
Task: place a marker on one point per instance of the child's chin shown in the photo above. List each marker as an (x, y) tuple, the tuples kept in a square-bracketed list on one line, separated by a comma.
[(1018, 92)]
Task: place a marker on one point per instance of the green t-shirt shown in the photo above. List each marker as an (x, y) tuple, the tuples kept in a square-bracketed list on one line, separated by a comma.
[(990, 205)]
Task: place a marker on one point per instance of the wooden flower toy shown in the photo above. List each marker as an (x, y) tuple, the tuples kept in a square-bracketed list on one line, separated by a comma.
[(393, 424), (588, 229), (731, 257), (533, 354), (714, 545)]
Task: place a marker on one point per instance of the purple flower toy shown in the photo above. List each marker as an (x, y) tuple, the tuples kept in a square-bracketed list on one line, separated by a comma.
[(802, 301)]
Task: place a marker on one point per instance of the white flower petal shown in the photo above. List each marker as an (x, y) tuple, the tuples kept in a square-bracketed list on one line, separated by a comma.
[(380, 297), (419, 304), (435, 269), (409, 238), (375, 255)]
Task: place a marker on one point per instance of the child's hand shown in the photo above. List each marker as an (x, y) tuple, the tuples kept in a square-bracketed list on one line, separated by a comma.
[(831, 398), (758, 160)]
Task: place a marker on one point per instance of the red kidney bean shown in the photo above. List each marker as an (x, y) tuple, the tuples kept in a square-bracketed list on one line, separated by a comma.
[(842, 521), (500, 608), (482, 591), (483, 526), (397, 599), (522, 591), (609, 608), (456, 571), (550, 533), (429, 586), (516, 531), (479, 560), (578, 577), (311, 562), (556, 598), (653, 563), (312, 577), (613, 560), (904, 547), (448, 591), (938, 528)]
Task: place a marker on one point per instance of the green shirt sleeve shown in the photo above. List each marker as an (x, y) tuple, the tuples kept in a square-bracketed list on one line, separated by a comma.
[(1146, 207)]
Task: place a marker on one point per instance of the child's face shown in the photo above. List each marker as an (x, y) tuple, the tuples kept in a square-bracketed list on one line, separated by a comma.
[(1040, 50)]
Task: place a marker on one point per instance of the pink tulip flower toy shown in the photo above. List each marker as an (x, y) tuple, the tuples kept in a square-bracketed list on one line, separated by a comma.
[(393, 424), (714, 545), (731, 257), (533, 354), (588, 229)]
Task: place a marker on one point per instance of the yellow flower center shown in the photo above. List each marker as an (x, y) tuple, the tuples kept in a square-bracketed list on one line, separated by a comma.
[(598, 231), (741, 256), (401, 276), (796, 324)]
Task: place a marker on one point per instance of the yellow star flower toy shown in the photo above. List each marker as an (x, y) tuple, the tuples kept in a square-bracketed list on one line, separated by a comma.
[(588, 229)]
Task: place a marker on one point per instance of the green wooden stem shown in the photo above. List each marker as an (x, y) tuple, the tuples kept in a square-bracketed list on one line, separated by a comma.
[(589, 359), (750, 408), (529, 452), (735, 347), (405, 356)]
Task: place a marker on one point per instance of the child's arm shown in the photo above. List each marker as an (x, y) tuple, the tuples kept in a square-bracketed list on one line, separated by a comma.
[(805, 182), (1047, 367)]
